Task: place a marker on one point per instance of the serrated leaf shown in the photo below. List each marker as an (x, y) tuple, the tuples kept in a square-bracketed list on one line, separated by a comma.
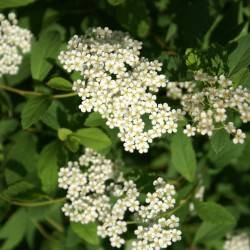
[(48, 167), (14, 3), (47, 47), (219, 140), (87, 232), (60, 84), (50, 118), (183, 156), (210, 231), (93, 138), (214, 213), (94, 119), (13, 230), (34, 109), (240, 57)]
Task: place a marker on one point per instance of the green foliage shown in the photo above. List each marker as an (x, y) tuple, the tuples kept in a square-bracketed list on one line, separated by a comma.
[(60, 84), (34, 109), (41, 126), (45, 48), (183, 156), (86, 232)]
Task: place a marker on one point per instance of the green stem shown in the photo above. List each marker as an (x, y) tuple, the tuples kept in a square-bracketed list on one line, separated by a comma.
[(31, 203), (33, 93)]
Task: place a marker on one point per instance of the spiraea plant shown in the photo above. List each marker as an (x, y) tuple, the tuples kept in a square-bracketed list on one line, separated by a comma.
[(124, 125)]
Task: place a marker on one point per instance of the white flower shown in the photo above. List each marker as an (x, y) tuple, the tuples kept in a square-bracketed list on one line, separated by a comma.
[(91, 183), (239, 137), (120, 85), (14, 42), (189, 130), (208, 103), (237, 242)]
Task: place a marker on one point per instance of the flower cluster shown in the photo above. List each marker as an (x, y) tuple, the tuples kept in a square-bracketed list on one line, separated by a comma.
[(120, 85), (209, 101), (237, 242), (97, 192), (14, 42)]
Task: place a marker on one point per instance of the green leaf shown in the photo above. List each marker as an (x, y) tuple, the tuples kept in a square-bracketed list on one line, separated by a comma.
[(93, 138), (14, 3), (63, 133), (209, 231), (115, 2), (34, 109), (6, 127), (45, 48), (240, 57), (60, 84), (183, 156), (48, 167), (214, 213), (13, 230), (219, 140), (50, 118), (86, 232), (18, 188), (94, 120)]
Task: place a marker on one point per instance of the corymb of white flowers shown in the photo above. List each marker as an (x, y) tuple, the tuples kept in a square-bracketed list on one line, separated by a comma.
[(14, 42), (208, 101), (120, 85), (240, 241), (98, 192)]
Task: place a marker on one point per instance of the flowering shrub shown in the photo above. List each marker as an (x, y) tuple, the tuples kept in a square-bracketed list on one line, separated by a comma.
[(124, 125)]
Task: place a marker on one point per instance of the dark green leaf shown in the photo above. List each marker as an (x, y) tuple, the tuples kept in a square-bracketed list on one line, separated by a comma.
[(183, 156), (115, 2), (13, 230), (7, 127), (240, 57), (48, 167), (94, 120), (47, 47), (34, 109)]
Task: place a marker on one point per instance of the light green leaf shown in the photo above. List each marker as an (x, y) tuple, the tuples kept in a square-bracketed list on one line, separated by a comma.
[(13, 230), (60, 84), (93, 138), (94, 120), (34, 109), (219, 140), (240, 57), (86, 232), (183, 156), (47, 47), (63, 133), (214, 213), (48, 167), (14, 3)]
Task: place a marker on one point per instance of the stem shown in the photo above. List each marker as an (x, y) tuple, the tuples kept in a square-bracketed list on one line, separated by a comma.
[(19, 91), (33, 93), (31, 203), (42, 230)]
